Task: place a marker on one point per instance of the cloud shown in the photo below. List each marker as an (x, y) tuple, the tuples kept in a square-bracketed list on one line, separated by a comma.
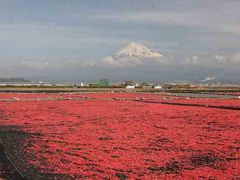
[(112, 62), (209, 19), (218, 60), (230, 59), (194, 60), (235, 58), (233, 28), (167, 18), (57, 40)]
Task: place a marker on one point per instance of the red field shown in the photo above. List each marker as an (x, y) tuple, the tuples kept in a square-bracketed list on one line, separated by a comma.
[(119, 139)]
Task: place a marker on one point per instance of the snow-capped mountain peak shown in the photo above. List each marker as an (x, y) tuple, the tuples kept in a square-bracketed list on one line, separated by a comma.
[(134, 54), (137, 50)]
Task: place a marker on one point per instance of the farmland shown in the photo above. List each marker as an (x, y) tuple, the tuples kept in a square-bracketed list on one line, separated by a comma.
[(120, 135)]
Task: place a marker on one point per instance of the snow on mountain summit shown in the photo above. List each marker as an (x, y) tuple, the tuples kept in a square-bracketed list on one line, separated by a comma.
[(137, 50)]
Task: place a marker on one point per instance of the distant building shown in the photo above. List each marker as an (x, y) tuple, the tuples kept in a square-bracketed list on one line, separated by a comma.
[(130, 87), (157, 87), (144, 85)]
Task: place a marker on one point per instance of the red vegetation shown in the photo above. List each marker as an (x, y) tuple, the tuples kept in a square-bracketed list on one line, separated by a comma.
[(76, 95), (123, 138)]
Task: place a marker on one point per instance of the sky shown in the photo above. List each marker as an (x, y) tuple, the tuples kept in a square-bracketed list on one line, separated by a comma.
[(64, 40)]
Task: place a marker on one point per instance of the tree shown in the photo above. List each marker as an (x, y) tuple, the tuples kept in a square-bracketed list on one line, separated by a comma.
[(103, 83)]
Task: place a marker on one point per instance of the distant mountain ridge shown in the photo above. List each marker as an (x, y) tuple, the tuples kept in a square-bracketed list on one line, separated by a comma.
[(14, 80)]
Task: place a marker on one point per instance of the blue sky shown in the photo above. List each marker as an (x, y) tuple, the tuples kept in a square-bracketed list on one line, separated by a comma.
[(42, 39)]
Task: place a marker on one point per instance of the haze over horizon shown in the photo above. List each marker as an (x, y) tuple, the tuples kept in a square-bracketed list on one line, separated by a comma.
[(69, 40)]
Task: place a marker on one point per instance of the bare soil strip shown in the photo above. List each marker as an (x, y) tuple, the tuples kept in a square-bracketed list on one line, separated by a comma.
[(196, 105)]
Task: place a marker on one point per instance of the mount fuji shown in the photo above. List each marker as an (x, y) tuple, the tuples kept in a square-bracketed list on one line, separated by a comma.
[(131, 55), (137, 50)]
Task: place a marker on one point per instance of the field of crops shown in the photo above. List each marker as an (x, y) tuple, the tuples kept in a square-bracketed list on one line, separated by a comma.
[(120, 135)]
